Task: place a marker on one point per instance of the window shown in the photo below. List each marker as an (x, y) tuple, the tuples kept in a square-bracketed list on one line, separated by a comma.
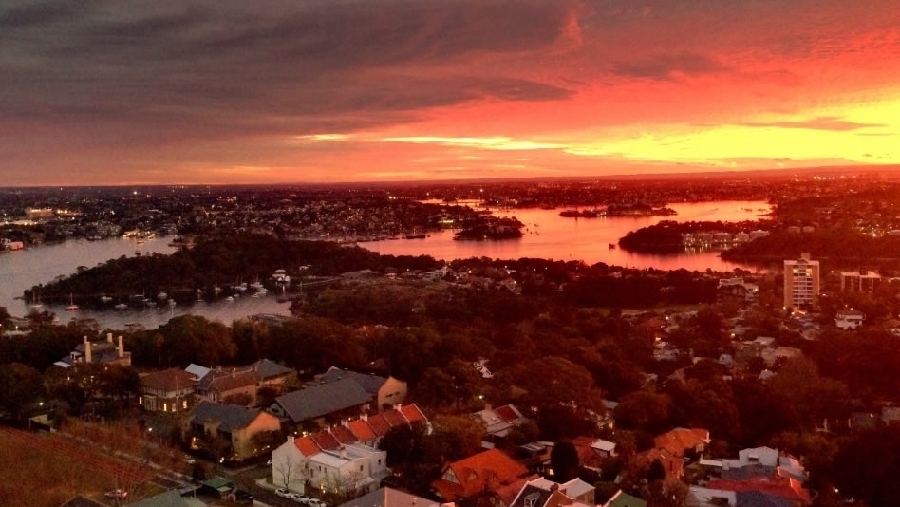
[(360, 468), (165, 407)]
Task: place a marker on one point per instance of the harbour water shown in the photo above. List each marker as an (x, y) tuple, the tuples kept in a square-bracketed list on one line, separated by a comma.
[(546, 235), (549, 236)]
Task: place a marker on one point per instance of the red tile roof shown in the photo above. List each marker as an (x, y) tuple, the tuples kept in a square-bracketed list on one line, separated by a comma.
[(679, 440), (586, 454), (394, 417), (507, 413), (412, 413), (486, 471), (361, 430), (378, 424), (674, 464), (508, 493), (307, 446), (325, 440), (172, 379), (343, 434)]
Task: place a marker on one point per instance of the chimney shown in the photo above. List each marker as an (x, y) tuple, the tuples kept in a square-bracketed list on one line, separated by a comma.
[(121, 347), (108, 337), (87, 351)]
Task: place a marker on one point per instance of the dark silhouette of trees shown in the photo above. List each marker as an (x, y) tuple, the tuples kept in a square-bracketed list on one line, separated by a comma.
[(564, 461), (21, 388)]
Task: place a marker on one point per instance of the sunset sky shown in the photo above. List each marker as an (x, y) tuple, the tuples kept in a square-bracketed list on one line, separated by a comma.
[(178, 91)]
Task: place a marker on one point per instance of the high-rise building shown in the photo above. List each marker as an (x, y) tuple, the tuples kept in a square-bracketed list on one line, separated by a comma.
[(801, 282)]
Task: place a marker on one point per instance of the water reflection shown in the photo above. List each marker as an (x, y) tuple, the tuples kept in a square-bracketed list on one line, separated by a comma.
[(546, 235), (550, 236)]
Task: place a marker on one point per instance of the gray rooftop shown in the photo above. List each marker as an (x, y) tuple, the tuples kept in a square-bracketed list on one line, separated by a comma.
[(319, 400), (268, 369), (371, 383), (229, 417)]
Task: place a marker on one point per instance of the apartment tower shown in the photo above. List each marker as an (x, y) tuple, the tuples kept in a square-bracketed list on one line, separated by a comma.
[(801, 282)]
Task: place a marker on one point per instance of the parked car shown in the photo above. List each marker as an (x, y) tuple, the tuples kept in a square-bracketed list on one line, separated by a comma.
[(119, 494), (315, 502), (301, 499), (284, 493)]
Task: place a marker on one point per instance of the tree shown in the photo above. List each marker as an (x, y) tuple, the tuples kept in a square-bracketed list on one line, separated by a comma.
[(453, 438), (643, 410), (564, 461), (4, 319), (816, 398), (287, 471), (867, 465), (21, 387), (455, 383), (193, 338), (555, 384)]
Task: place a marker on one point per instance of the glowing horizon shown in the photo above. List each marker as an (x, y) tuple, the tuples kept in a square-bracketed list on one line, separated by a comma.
[(335, 91)]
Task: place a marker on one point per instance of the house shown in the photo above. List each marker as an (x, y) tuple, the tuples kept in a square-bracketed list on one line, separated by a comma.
[(735, 289), (385, 392), (272, 374), (534, 455), (324, 464), (103, 353), (334, 400), (235, 424), (757, 462), (683, 441), (675, 447), (233, 385), (604, 448), (540, 492), (389, 497), (297, 464), (498, 422), (759, 491), (849, 319), (477, 476), (622, 499), (170, 390), (239, 384)]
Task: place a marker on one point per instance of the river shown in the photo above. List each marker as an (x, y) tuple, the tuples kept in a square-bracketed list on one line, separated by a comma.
[(546, 235)]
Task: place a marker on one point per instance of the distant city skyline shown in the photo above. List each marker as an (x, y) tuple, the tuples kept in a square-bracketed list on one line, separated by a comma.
[(282, 91)]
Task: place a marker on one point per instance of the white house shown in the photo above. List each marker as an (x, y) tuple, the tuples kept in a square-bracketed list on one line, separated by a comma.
[(849, 319), (301, 462)]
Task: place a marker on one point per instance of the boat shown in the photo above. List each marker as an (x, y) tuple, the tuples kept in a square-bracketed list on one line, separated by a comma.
[(72, 306), (417, 235), (121, 306), (612, 246), (36, 301), (105, 299), (229, 299)]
